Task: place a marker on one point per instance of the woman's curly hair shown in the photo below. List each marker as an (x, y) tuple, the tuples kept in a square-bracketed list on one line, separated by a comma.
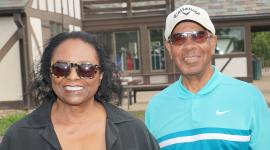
[(41, 87)]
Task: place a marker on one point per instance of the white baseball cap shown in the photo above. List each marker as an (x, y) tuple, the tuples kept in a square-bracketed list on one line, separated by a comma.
[(188, 12)]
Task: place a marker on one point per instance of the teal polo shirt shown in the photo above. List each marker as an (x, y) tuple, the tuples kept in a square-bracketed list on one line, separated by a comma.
[(226, 114)]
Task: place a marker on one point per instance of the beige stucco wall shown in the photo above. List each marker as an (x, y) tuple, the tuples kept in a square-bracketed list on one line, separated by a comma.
[(10, 76)]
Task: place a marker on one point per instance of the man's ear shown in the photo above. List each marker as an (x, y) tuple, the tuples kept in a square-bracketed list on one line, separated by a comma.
[(168, 47), (213, 43)]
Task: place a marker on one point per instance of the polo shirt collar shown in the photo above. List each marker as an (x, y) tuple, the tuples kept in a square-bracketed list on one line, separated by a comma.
[(207, 88)]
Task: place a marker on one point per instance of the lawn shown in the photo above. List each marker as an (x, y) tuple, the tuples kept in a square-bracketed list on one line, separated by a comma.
[(138, 114), (8, 120)]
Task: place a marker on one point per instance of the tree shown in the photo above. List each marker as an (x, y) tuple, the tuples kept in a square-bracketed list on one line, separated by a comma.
[(261, 46)]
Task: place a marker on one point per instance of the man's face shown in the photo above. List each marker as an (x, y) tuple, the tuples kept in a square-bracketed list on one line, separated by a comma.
[(192, 57)]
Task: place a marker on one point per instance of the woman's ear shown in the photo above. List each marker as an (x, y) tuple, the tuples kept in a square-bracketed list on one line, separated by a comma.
[(100, 77)]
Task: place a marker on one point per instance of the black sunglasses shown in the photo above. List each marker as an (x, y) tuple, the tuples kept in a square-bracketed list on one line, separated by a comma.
[(83, 69), (196, 36)]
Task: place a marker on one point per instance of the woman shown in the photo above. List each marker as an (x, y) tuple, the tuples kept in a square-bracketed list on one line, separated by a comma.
[(75, 81)]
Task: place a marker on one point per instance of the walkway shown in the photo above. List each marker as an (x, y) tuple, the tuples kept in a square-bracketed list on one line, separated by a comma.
[(143, 97)]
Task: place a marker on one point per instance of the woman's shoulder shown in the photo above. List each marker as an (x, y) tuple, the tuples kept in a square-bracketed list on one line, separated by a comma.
[(118, 115), (130, 129), (36, 118), (16, 127)]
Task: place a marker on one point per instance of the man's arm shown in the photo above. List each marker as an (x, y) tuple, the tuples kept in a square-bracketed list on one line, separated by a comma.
[(260, 128)]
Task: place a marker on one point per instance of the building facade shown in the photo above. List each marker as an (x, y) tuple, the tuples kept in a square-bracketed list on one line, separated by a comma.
[(132, 32), (26, 26)]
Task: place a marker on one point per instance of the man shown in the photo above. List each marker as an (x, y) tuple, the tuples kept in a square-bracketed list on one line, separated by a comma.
[(204, 109)]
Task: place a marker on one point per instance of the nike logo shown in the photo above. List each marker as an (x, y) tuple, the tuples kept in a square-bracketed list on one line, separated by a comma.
[(223, 112)]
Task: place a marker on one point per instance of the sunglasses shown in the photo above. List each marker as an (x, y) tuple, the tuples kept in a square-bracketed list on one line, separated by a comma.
[(83, 69), (196, 36)]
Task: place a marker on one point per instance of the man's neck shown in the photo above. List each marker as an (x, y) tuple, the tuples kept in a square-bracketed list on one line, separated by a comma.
[(194, 83)]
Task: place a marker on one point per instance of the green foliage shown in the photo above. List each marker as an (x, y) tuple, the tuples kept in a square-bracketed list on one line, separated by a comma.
[(8, 120), (261, 46), (138, 114)]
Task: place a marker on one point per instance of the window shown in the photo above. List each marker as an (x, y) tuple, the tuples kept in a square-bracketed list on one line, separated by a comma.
[(127, 53), (230, 40), (56, 28), (157, 49)]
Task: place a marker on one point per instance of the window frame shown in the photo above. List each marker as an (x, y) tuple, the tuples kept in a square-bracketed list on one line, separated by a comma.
[(138, 50), (150, 50), (235, 51)]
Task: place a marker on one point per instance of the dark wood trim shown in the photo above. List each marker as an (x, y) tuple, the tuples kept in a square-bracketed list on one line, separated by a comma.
[(8, 11), (121, 24), (226, 64), (24, 58), (231, 55), (144, 53), (248, 48), (52, 16), (74, 10), (102, 2), (11, 41), (129, 8), (246, 79), (12, 104), (241, 18)]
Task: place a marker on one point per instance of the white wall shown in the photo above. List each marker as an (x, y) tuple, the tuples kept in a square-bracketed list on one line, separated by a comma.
[(34, 4), (237, 67), (65, 7), (158, 79), (74, 28), (42, 5), (77, 9), (71, 27), (50, 5), (77, 28), (36, 46), (10, 77), (58, 6), (71, 8)]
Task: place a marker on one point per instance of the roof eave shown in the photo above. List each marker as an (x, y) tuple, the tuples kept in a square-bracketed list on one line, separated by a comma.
[(11, 10), (241, 17)]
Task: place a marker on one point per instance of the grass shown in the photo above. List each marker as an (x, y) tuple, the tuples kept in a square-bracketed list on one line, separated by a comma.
[(7, 121), (138, 114)]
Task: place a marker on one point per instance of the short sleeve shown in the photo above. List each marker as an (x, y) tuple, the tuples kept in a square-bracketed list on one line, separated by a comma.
[(260, 128)]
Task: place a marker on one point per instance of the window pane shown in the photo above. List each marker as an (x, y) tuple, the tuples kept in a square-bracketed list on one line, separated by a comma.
[(230, 40), (157, 49), (55, 28), (127, 55)]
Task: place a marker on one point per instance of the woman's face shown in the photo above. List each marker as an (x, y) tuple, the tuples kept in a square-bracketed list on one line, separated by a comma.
[(73, 89)]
